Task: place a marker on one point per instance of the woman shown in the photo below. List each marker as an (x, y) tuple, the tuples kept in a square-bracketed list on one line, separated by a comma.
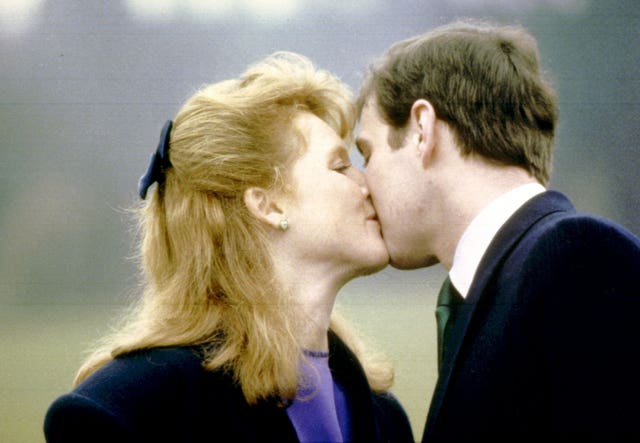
[(257, 220)]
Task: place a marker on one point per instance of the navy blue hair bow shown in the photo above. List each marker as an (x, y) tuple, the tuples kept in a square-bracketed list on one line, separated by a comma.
[(158, 164)]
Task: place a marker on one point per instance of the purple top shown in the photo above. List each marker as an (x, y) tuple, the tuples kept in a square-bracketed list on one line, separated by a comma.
[(319, 411)]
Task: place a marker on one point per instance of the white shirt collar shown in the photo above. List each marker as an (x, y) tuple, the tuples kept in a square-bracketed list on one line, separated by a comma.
[(476, 238)]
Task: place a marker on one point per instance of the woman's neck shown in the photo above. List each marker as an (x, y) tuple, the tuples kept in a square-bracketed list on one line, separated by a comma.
[(313, 285), (314, 291), (315, 303)]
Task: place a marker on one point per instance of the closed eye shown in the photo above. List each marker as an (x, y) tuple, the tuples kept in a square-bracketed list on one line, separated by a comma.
[(342, 168), (363, 149), (338, 159)]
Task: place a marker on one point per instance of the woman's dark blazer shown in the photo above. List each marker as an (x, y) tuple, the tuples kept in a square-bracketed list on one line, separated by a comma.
[(547, 344), (165, 395)]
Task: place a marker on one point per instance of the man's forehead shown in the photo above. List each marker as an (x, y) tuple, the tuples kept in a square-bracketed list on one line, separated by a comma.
[(371, 114)]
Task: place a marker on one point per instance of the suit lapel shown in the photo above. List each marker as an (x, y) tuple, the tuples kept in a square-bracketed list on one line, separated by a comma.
[(507, 237), (347, 371)]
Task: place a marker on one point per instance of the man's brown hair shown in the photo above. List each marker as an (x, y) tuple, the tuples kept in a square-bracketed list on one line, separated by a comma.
[(484, 80)]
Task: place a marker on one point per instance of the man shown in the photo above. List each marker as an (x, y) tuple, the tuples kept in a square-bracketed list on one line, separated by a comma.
[(541, 341)]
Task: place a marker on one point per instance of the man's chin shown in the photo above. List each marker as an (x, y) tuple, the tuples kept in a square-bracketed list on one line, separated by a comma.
[(407, 263)]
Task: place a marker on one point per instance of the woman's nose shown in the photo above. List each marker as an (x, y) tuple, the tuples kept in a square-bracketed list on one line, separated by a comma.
[(358, 177)]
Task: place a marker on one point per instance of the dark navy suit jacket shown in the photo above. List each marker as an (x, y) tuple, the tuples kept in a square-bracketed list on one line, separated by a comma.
[(547, 344), (165, 395)]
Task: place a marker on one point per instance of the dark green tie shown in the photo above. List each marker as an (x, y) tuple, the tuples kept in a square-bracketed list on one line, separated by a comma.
[(448, 299)]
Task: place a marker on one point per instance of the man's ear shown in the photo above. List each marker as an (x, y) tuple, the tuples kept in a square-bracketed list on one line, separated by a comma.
[(423, 120), (262, 205)]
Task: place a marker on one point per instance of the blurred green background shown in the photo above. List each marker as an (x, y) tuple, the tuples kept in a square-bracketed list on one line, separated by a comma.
[(85, 87)]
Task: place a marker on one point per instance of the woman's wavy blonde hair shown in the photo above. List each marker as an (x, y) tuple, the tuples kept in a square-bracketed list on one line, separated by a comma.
[(209, 279)]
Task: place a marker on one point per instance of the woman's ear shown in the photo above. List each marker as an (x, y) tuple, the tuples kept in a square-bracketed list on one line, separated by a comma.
[(262, 205), (423, 119)]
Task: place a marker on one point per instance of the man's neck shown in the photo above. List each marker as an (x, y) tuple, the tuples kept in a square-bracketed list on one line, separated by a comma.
[(481, 231), (471, 189)]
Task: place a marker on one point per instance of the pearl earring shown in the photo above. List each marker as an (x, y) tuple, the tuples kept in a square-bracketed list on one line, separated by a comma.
[(284, 224)]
